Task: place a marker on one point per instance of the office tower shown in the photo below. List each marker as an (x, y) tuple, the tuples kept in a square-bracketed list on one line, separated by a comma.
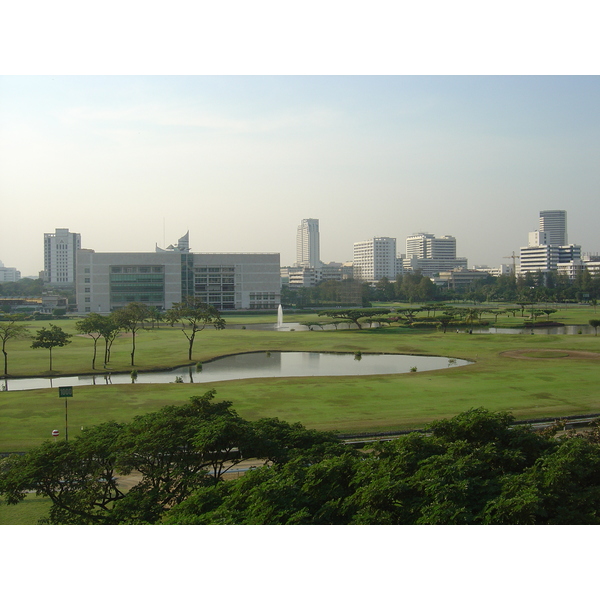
[(431, 255), (60, 252), (541, 256), (307, 244), (426, 245), (375, 259), (554, 223)]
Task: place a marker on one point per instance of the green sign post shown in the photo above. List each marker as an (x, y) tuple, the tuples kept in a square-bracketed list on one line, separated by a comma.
[(66, 391)]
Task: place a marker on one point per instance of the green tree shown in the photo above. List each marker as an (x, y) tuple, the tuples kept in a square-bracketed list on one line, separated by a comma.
[(10, 330), (53, 337), (354, 314), (196, 315), (78, 476), (595, 323), (92, 326), (109, 330), (445, 320), (131, 318)]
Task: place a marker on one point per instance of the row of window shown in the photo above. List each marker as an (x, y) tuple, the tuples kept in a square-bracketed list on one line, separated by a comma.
[(214, 269), (138, 269)]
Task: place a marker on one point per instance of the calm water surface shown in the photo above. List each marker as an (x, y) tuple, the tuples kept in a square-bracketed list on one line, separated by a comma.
[(261, 364)]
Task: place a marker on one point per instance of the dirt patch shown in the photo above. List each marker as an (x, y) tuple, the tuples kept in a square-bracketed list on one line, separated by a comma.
[(537, 354)]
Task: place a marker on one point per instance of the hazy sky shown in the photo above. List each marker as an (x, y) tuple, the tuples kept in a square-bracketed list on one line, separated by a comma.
[(239, 160)]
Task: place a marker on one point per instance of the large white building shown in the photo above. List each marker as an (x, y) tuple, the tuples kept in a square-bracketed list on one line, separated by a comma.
[(60, 256), (554, 224), (375, 259), (308, 244), (228, 281), (431, 255), (548, 247), (540, 256)]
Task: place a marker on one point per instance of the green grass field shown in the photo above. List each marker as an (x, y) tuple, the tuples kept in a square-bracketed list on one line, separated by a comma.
[(545, 383), (28, 512)]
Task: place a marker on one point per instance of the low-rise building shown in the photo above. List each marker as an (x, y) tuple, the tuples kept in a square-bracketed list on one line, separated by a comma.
[(106, 281), (458, 278)]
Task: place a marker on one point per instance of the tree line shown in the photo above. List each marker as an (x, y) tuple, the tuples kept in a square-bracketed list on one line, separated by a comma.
[(475, 468)]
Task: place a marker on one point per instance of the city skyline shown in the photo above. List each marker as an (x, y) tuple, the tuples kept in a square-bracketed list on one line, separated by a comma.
[(131, 162)]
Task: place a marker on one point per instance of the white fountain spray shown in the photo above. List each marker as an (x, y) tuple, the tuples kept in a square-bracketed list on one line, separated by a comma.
[(279, 317)]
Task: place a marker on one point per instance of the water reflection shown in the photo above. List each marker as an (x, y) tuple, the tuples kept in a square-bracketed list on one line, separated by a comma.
[(263, 364)]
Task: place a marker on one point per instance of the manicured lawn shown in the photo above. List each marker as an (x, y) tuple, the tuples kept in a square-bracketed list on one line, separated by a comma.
[(28, 512), (544, 384)]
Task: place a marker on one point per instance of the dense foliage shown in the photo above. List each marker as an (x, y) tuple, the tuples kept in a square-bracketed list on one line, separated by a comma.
[(476, 468)]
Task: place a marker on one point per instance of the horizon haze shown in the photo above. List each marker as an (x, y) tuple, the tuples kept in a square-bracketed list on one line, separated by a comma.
[(133, 161)]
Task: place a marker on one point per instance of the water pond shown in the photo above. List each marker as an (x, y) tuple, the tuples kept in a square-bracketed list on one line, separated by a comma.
[(562, 330), (260, 364)]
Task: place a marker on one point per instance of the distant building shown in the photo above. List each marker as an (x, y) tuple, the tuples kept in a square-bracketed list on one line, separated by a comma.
[(541, 256), (554, 224), (228, 281), (494, 271), (375, 259), (296, 277), (60, 257), (308, 244), (459, 278), (9, 273), (431, 255)]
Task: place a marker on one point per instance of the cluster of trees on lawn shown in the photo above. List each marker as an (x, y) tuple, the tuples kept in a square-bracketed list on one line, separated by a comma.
[(475, 468), (193, 315), (415, 287)]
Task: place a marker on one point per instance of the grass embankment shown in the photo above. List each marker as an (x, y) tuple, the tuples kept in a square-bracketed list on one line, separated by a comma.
[(541, 385)]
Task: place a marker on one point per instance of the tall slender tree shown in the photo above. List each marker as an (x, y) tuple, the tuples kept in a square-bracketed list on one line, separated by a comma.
[(10, 330), (131, 318), (196, 315)]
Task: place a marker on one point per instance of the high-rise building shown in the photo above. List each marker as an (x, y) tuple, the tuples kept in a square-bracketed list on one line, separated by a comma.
[(60, 256), (431, 255), (426, 245), (307, 244), (375, 259), (539, 256), (554, 223)]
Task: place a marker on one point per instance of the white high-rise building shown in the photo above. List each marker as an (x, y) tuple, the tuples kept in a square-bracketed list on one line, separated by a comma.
[(307, 244), (431, 255), (375, 259), (60, 252), (540, 256), (554, 223), (426, 245)]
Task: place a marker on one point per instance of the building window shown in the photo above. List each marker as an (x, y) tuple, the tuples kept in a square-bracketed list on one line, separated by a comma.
[(86, 280)]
